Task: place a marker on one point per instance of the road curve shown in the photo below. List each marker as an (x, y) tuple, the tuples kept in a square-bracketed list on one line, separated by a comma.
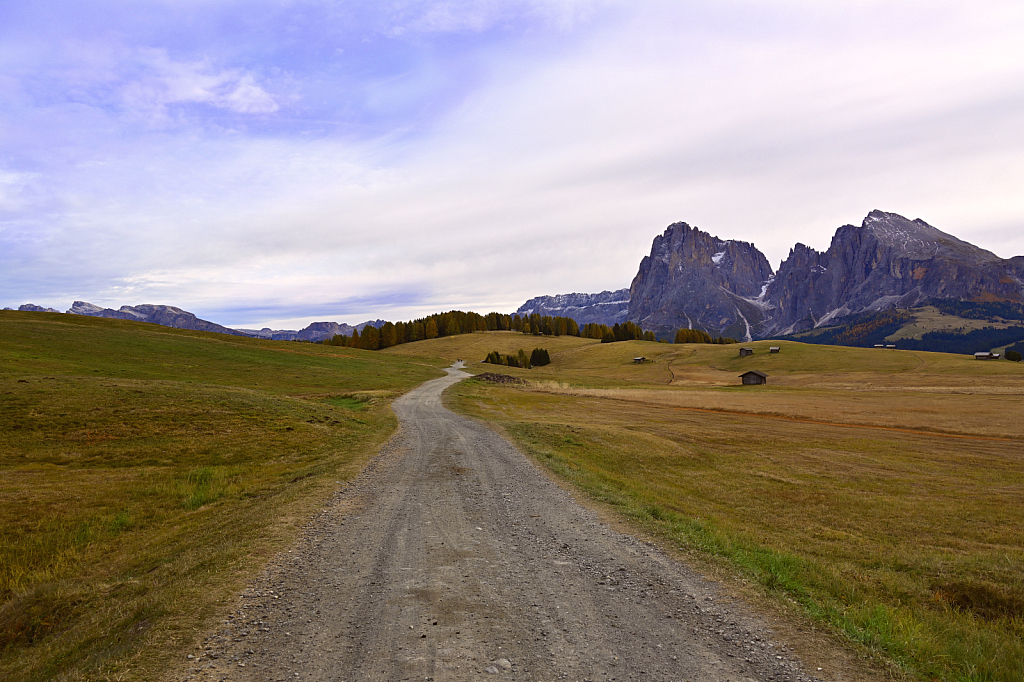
[(453, 558)]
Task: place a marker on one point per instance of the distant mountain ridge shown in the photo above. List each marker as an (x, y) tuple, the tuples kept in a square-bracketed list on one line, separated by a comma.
[(171, 316), (607, 307), (316, 331), (165, 315)]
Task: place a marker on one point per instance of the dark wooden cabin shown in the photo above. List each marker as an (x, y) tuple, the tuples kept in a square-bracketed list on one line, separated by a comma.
[(754, 378)]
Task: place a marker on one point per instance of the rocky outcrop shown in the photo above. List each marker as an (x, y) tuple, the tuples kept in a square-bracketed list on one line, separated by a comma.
[(695, 280), (165, 315), (888, 261), (607, 307), (317, 331), (32, 307)]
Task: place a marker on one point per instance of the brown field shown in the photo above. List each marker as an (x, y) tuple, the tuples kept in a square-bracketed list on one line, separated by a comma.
[(147, 473), (879, 490)]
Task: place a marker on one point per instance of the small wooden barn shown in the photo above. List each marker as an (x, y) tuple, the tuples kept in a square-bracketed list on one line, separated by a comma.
[(774, 349), (754, 378), (640, 360), (746, 351), (985, 355)]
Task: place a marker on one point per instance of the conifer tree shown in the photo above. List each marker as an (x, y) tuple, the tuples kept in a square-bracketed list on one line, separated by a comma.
[(539, 357), (387, 335), (430, 329), (371, 338)]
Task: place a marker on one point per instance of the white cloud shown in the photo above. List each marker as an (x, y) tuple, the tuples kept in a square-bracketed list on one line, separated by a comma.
[(162, 82)]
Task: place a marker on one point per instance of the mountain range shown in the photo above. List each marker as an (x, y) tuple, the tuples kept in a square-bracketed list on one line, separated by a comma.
[(692, 279), (170, 316), (725, 287)]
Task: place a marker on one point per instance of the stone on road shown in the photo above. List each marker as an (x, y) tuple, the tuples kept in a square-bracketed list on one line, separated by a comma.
[(452, 557)]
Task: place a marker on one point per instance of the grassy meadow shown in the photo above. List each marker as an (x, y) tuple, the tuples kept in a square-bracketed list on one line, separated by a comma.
[(147, 472), (880, 492)]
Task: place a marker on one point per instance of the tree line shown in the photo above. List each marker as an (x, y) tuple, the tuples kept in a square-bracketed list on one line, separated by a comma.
[(456, 322), (966, 342), (453, 323), (627, 331), (700, 336)]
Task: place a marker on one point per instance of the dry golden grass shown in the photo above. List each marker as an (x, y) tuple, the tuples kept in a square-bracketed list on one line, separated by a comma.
[(880, 490)]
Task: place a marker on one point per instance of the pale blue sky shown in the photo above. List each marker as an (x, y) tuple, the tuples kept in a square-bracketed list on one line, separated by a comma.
[(275, 163)]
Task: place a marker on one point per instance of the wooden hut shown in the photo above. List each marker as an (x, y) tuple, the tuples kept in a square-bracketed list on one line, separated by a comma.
[(754, 378), (774, 349), (744, 352)]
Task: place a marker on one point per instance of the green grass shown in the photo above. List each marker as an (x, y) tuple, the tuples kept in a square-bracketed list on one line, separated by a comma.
[(350, 402), (148, 472), (905, 543)]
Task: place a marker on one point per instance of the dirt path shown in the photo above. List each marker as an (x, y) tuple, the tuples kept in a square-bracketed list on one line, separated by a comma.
[(452, 558)]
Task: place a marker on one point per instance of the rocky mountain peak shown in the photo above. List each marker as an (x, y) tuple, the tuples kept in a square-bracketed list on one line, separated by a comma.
[(887, 261), (694, 279)]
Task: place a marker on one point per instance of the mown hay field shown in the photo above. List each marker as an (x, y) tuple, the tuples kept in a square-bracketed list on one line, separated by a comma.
[(881, 491), (146, 473)]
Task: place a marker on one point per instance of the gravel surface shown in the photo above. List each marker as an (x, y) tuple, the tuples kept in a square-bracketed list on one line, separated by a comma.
[(451, 557)]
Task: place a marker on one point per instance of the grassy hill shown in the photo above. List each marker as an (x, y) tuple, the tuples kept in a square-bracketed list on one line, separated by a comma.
[(146, 472)]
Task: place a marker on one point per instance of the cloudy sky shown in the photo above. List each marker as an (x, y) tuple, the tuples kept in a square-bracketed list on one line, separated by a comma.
[(276, 163)]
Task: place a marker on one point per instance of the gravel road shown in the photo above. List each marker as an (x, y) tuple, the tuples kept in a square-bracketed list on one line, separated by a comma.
[(451, 557)]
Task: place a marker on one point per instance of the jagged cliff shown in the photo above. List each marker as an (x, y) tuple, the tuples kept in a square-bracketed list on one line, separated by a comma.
[(888, 261), (695, 280), (607, 307)]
